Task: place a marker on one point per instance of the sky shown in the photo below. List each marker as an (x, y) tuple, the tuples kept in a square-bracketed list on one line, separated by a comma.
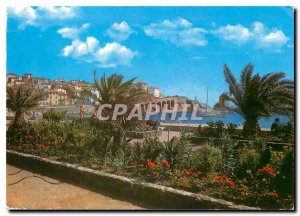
[(181, 50)]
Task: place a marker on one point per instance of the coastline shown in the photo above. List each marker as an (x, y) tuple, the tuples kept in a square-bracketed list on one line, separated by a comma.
[(197, 125)]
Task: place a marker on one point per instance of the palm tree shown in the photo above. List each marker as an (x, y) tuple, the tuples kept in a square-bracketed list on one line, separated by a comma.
[(254, 96), (21, 100), (113, 90)]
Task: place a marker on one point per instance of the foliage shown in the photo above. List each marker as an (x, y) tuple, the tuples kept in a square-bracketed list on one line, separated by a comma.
[(21, 100), (247, 162), (113, 90), (228, 148), (224, 169), (54, 115), (255, 96), (284, 132), (285, 179), (231, 129), (207, 158)]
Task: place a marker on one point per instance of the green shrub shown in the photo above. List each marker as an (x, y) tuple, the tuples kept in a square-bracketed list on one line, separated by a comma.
[(206, 159), (54, 115), (285, 179), (174, 151), (265, 157), (231, 129), (247, 162)]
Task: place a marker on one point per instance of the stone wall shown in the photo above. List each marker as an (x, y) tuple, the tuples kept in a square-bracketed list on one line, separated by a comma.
[(152, 196)]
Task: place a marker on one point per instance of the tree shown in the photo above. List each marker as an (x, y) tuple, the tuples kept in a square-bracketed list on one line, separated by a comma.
[(21, 100), (254, 96), (113, 90)]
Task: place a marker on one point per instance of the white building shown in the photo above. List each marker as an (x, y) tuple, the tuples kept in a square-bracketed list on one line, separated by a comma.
[(155, 92)]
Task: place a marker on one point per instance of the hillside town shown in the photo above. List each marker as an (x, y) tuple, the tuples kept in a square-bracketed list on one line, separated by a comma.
[(61, 94)]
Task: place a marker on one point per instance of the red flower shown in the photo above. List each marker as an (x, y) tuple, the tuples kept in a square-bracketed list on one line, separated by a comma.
[(226, 179), (267, 170), (187, 172), (150, 164), (166, 164), (230, 182), (205, 178), (27, 145), (245, 187), (244, 193), (274, 194), (185, 177), (40, 145), (219, 178), (28, 136)]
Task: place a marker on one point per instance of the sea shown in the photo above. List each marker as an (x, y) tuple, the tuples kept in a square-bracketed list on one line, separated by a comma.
[(233, 118)]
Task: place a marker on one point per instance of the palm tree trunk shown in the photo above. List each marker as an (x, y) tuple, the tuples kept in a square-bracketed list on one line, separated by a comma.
[(16, 119), (251, 127)]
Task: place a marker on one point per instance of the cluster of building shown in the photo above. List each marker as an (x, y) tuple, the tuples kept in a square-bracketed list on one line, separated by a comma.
[(155, 91), (61, 92)]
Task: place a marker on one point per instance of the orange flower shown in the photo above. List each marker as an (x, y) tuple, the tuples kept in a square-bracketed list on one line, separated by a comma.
[(40, 145), (226, 179), (150, 164), (230, 182), (267, 170), (219, 178), (245, 187), (187, 172), (166, 164), (244, 193), (28, 136), (28, 145), (274, 194)]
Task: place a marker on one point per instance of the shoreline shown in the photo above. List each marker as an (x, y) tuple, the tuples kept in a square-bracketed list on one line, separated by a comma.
[(197, 125)]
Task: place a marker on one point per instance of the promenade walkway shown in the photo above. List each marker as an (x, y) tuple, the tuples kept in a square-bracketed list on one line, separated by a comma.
[(35, 193)]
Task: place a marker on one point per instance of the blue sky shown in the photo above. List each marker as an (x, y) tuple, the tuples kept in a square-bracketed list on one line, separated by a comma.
[(179, 49)]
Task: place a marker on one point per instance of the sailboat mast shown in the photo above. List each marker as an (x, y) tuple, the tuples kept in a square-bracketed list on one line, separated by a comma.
[(206, 98)]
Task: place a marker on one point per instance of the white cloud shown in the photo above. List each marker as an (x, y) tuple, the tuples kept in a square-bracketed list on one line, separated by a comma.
[(274, 40), (38, 16), (51, 12), (119, 31), (177, 31), (263, 38), (79, 48), (111, 55), (73, 33), (26, 15), (237, 33)]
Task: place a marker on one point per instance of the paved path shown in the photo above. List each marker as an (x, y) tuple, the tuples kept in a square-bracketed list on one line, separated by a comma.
[(34, 193)]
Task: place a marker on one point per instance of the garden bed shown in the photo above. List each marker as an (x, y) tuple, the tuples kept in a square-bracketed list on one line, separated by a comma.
[(252, 175), (148, 193)]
